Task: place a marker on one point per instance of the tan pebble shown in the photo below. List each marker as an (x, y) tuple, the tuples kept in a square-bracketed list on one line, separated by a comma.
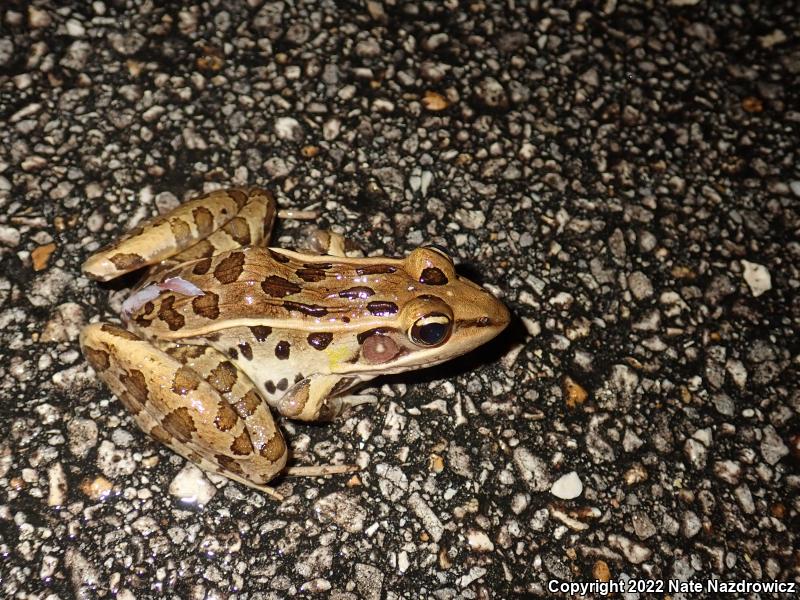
[(635, 474), (354, 481), (436, 463), (41, 255), (444, 559), (681, 272), (574, 394), (310, 151), (97, 488), (434, 101), (752, 104), (601, 571)]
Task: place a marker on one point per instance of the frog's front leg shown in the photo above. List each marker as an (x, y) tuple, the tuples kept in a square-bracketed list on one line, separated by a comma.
[(193, 401), (318, 398)]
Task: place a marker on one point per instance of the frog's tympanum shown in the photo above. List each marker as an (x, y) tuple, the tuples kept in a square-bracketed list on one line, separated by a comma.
[(223, 329)]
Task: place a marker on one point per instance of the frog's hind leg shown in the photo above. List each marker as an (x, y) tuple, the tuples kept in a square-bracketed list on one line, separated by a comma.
[(326, 242), (195, 403), (202, 227)]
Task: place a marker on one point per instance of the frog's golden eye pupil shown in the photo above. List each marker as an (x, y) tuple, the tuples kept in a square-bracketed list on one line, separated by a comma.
[(431, 330)]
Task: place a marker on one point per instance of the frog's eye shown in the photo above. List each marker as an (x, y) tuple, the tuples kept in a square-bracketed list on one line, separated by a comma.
[(431, 330)]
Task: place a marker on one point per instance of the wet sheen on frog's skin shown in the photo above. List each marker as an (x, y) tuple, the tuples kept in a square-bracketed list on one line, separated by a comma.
[(222, 329)]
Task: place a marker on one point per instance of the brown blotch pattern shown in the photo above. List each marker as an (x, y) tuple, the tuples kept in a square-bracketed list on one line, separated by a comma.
[(247, 405), (202, 249), (312, 310), (282, 350), (233, 353), (159, 434), (237, 228), (136, 384), (381, 308), (269, 385), (242, 445), (274, 449), (355, 293), (185, 380), (246, 350), (432, 276), (228, 463), (169, 315), (239, 196), (201, 266), (278, 257), (180, 423), (278, 287), (260, 332), (181, 231), (204, 221), (99, 359), (375, 269), (310, 275), (282, 384), (226, 417), (119, 332), (206, 306), (222, 377), (130, 403), (229, 268), (127, 261), (320, 340)]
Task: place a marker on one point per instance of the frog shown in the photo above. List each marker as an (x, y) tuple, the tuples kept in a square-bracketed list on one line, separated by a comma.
[(224, 331)]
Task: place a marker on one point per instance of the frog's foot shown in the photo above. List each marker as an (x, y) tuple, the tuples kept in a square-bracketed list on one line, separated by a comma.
[(207, 225), (324, 241), (193, 400), (319, 470)]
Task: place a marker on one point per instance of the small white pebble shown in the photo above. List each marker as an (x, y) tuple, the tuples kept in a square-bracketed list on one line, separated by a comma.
[(192, 487), (567, 486), (757, 278)]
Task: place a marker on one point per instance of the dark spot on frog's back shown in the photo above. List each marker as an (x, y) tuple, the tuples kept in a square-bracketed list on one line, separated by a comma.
[(278, 287), (312, 310), (260, 332), (381, 308), (126, 261), (282, 350), (320, 340), (169, 315), (432, 276), (246, 350), (359, 292), (310, 275), (278, 257), (282, 384), (206, 305), (375, 269), (201, 266), (230, 268)]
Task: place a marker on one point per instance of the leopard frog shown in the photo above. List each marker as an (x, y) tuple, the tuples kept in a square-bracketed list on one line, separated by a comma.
[(223, 330)]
